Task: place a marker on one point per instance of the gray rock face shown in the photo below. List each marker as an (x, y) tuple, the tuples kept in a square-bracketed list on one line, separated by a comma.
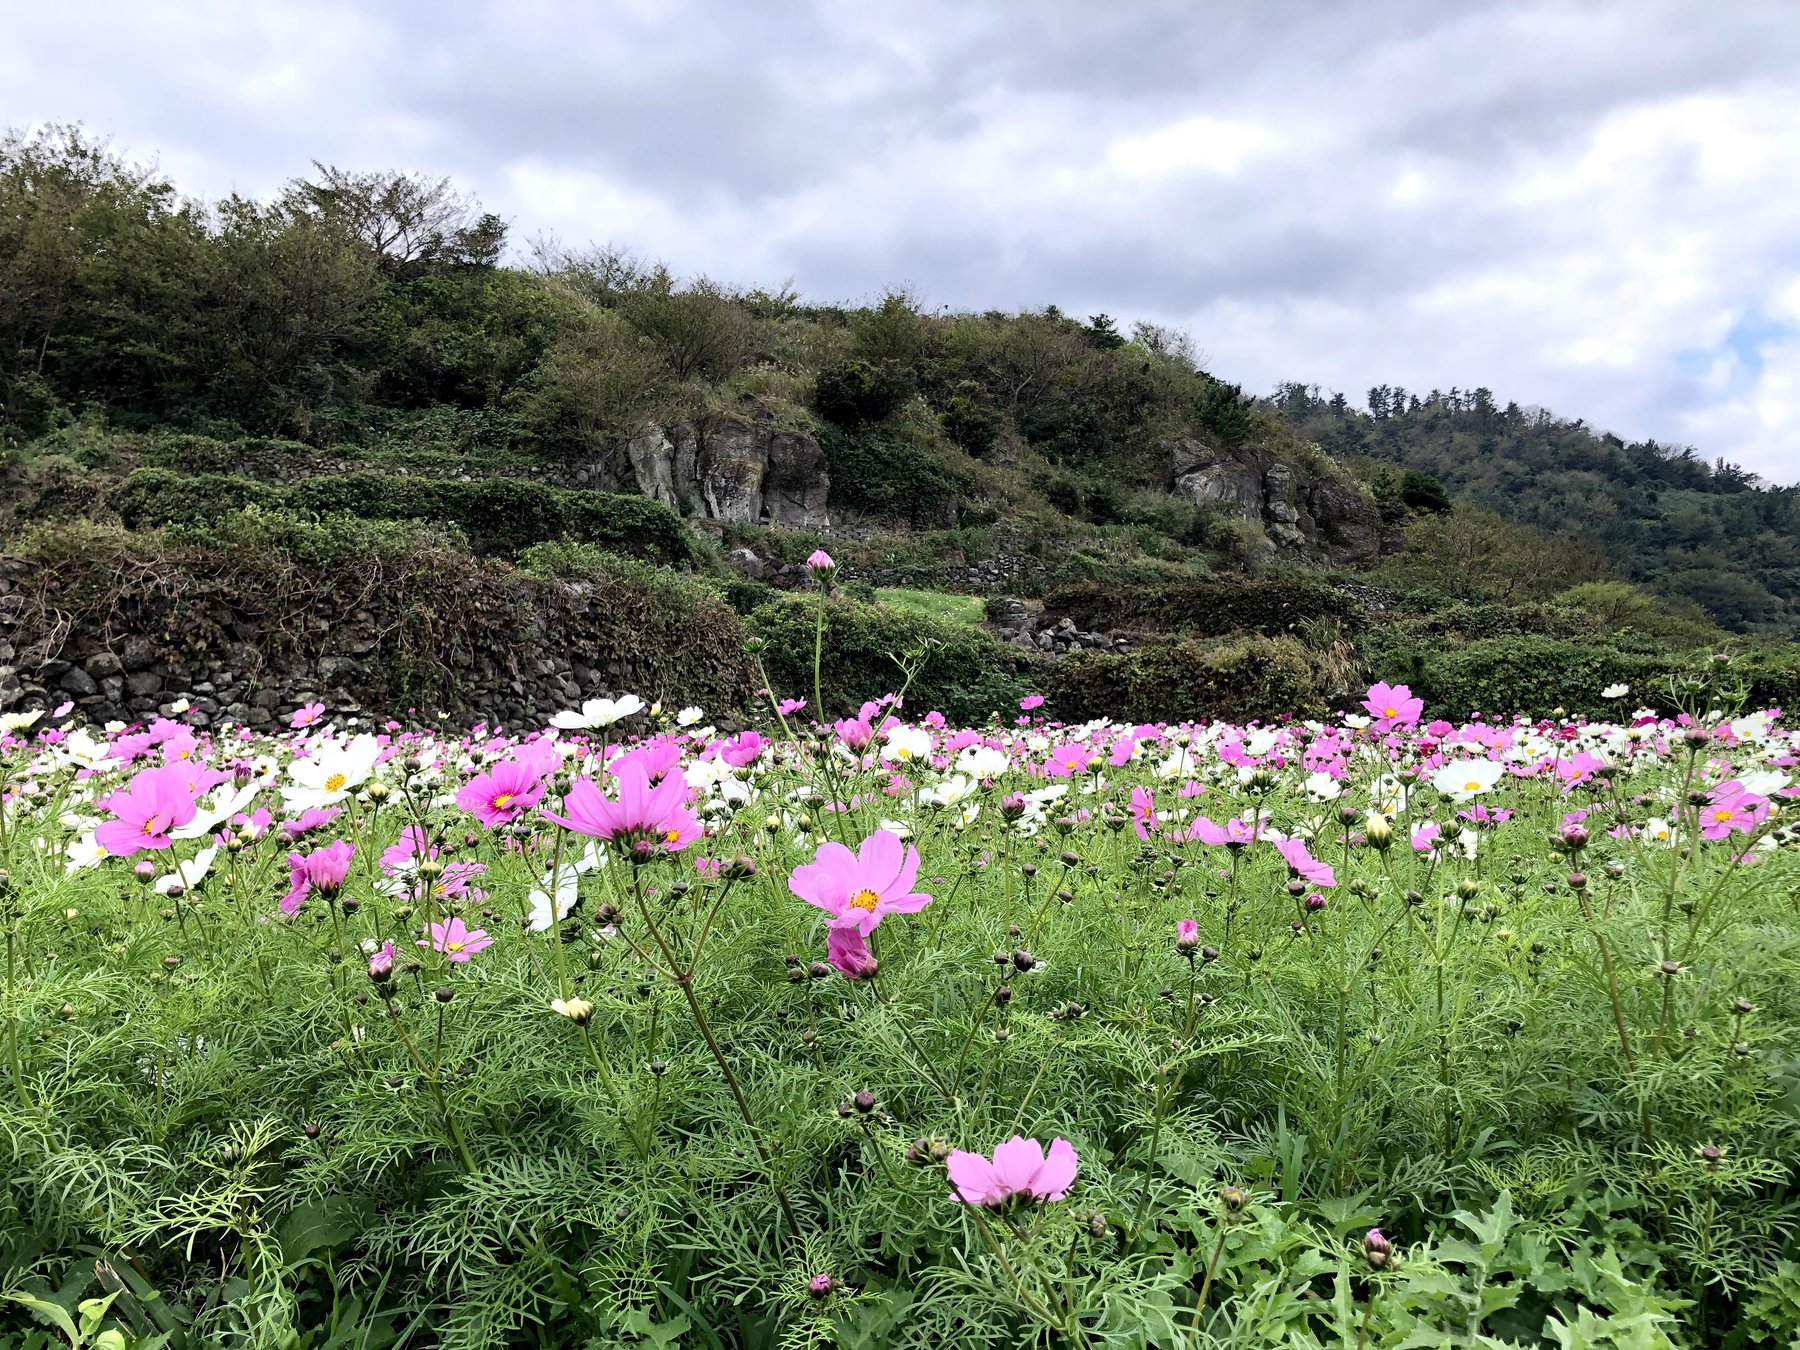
[(738, 466), (1308, 516)]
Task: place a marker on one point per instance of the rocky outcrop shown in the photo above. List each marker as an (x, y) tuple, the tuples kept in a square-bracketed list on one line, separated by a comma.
[(1304, 515), (740, 466)]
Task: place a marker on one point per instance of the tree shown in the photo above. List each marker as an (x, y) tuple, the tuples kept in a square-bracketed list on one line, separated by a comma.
[(697, 327), (407, 219)]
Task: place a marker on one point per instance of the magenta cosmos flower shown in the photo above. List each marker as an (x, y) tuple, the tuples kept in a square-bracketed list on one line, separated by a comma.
[(1233, 834), (156, 802), (655, 818), (501, 795), (819, 561), (859, 889), (322, 872), (1304, 865), (848, 950), (1019, 1168), (456, 940), (1730, 808), (1392, 705)]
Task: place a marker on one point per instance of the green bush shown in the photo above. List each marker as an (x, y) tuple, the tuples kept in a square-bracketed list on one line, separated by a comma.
[(961, 671), (1501, 676), (879, 471), (498, 515), (1253, 677), (856, 391), (254, 589), (1204, 608)]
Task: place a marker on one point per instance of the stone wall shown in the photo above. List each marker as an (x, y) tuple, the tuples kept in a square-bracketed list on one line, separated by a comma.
[(1305, 515)]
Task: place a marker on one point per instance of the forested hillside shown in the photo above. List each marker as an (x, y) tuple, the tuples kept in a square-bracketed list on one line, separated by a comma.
[(385, 325), (1705, 532)]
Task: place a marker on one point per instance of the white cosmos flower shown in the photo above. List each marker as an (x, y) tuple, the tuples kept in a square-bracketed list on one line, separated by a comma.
[(904, 743), (1615, 691), (1658, 831), (83, 851), (1322, 787), (687, 717), (332, 772), (18, 721), (1466, 778), (599, 712), (982, 761), (568, 888), (224, 803), (189, 874)]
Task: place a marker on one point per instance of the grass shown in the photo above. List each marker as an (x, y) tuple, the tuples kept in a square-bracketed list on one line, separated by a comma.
[(957, 608)]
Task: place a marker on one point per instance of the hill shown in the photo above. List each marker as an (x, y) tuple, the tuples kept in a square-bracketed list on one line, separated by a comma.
[(1707, 533), (349, 380)]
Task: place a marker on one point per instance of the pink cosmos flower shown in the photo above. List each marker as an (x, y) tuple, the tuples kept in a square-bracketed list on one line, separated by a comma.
[(1143, 812), (1066, 761), (1303, 864), (790, 705), (156, 802), (322, 872), (644, 819), (859, 889), (1019, 1169), (848, 950), (1731, 809), (381, 961), (1393, 705), (501, 795), (819, 561), (854, 732), (456, 940), (1031, 701), (306, 716), (1187, 935), (313, 818), (1234, 834)]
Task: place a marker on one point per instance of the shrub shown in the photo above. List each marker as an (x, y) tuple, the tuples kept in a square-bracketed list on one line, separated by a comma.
[(856, 391), (499, 515), (1527, 674), (879, 471), (256, 590), (961, 671), (1204, 608), (1254, 677)]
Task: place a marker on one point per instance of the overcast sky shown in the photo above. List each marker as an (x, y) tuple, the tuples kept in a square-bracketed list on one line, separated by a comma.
[(1592, 207)]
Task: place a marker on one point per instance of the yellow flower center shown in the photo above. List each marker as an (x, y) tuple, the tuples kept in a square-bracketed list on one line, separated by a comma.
[(671, 836), (336, 782), (1390, 712), (1472, 786), (504, 800), (1723, 813), (453, 946), (864, 899), (150, 826)]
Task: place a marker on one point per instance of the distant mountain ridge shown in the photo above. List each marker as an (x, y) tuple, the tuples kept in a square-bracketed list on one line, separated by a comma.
[(1709, 533)]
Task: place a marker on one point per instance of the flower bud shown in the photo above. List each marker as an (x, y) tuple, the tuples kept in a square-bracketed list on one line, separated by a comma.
[(820, 1286), (864, 1102), (1376, 1248)]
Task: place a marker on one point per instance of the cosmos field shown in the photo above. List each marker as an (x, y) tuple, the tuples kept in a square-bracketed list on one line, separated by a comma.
[(876, 1031)]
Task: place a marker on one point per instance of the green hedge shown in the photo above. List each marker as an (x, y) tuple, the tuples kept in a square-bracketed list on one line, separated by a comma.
[(256, 590), (966, 676), (1205, 608), (1252, 677), (1536, 675), (499, 515)]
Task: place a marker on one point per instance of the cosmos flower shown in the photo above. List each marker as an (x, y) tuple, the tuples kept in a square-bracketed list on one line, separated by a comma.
[(859, 889), (456, 940), (1020, 1168)]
